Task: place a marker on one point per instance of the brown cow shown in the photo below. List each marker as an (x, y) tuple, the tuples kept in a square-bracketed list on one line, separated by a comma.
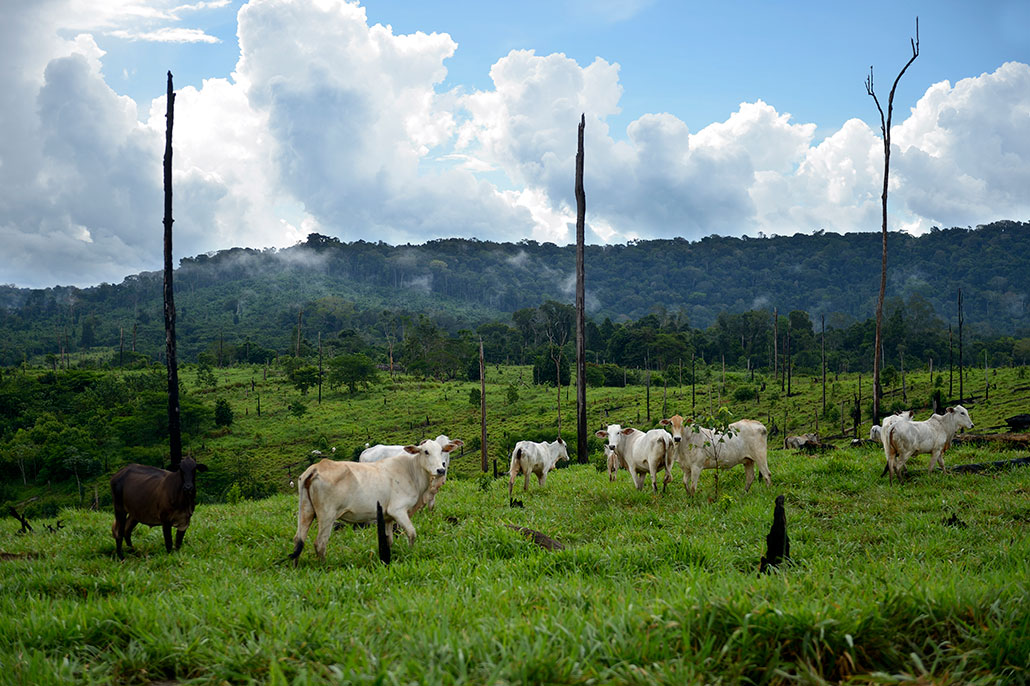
[(153, 496)]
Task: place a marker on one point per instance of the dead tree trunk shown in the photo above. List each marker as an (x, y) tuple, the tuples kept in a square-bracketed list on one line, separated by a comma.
[(961, 391), (174, 425), (581, 356), (885, 128), (482, 406), (823, 345)]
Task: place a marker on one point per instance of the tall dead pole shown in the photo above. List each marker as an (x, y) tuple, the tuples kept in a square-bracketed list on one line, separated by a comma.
[(174, 425), (824, 361), (482, 405), (961, 370), (885, 128), (581, 355)]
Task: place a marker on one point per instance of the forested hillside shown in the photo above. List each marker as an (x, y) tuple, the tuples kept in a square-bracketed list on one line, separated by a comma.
[(255, 299)]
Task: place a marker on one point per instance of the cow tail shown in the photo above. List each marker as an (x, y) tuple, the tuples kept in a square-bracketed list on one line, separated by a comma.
[(304, 493)]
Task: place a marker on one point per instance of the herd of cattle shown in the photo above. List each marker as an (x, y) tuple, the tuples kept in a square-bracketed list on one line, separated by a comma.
[(402, 479)]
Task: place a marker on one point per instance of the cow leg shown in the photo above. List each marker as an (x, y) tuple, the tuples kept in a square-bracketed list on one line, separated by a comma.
[(405, 523), (513, 474), (525, 482), (541, 478), (128, 527), (179, 535), (325, 529), (749, 474), (638, 481), (763, 469), (118, 530), (167, 530), (695, 476)]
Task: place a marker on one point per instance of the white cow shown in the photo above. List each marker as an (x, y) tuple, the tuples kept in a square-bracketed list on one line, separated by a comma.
[(529, 457), (875, 433), (884, 427), (330, 490), (639, 453), (933, 435), (378, 452), (710, 449)]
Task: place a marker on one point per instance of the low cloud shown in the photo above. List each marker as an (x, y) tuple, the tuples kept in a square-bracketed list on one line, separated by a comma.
[(334, 125)]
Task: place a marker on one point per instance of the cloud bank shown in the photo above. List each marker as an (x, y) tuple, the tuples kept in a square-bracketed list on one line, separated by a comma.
[(333, 125)]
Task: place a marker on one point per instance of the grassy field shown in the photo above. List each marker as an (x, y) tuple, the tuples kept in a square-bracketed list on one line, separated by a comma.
[(650, 589)]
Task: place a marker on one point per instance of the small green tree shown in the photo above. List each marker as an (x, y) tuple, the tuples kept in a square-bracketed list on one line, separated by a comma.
[(475, 397), (512, 394), (304, 378), (206, 376), (351, 370), (223, 413), (716, 430)]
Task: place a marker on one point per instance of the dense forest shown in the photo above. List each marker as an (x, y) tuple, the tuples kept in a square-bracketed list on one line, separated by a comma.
[(250, 305)]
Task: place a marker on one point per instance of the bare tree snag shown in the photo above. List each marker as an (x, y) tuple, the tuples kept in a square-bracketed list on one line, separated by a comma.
[(174, 425), (581, 355), (482, 406), (885, 128)]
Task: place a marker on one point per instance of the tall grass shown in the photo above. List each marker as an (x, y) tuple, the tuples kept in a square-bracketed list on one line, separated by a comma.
[(650, 589)]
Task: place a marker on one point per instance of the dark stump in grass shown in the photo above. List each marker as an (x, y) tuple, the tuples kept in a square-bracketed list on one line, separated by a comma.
[(777, 543)]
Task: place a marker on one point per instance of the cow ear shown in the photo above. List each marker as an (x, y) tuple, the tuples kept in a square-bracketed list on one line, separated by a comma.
[(201, 467), (450, 446), (413, 449), (601, 434), (665, 422), (951, 409), (629, 431)]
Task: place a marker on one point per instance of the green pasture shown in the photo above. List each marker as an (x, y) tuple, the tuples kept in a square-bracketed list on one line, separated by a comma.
[(649, 589)]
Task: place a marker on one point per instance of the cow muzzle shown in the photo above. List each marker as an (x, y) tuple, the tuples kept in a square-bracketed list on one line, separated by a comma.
[(441, 471), (676, 439)]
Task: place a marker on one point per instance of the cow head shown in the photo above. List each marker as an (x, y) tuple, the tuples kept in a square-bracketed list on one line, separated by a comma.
[(560, 449), (614, 434), (447, 445), (962, 417), (431, 457), (677, 427), (189, 467)]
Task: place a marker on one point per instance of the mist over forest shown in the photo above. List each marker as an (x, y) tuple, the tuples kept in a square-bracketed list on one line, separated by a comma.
[(374, 291)]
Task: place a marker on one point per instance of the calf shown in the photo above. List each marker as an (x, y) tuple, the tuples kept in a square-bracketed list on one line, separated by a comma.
[(613, 461), (153, 496), (529, 457), (330, 490), (710, 449), (639, 453), (933, 435)]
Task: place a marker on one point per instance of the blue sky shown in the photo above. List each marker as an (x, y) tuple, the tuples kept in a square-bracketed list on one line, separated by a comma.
[(459, 119)]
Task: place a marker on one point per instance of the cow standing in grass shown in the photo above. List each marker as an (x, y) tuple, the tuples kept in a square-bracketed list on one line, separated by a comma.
[(154, 496), (933, 435), (529, 457), (746, 443), (640, 453), (330, 490)]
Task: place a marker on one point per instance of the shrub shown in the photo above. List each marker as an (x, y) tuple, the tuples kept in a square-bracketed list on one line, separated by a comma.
[(223, 413)]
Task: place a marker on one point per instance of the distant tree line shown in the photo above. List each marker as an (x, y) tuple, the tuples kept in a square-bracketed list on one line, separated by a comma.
[(245, 304)]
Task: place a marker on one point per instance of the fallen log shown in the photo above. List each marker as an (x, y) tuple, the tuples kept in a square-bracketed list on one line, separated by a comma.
[(541, 539), (978, 467)]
